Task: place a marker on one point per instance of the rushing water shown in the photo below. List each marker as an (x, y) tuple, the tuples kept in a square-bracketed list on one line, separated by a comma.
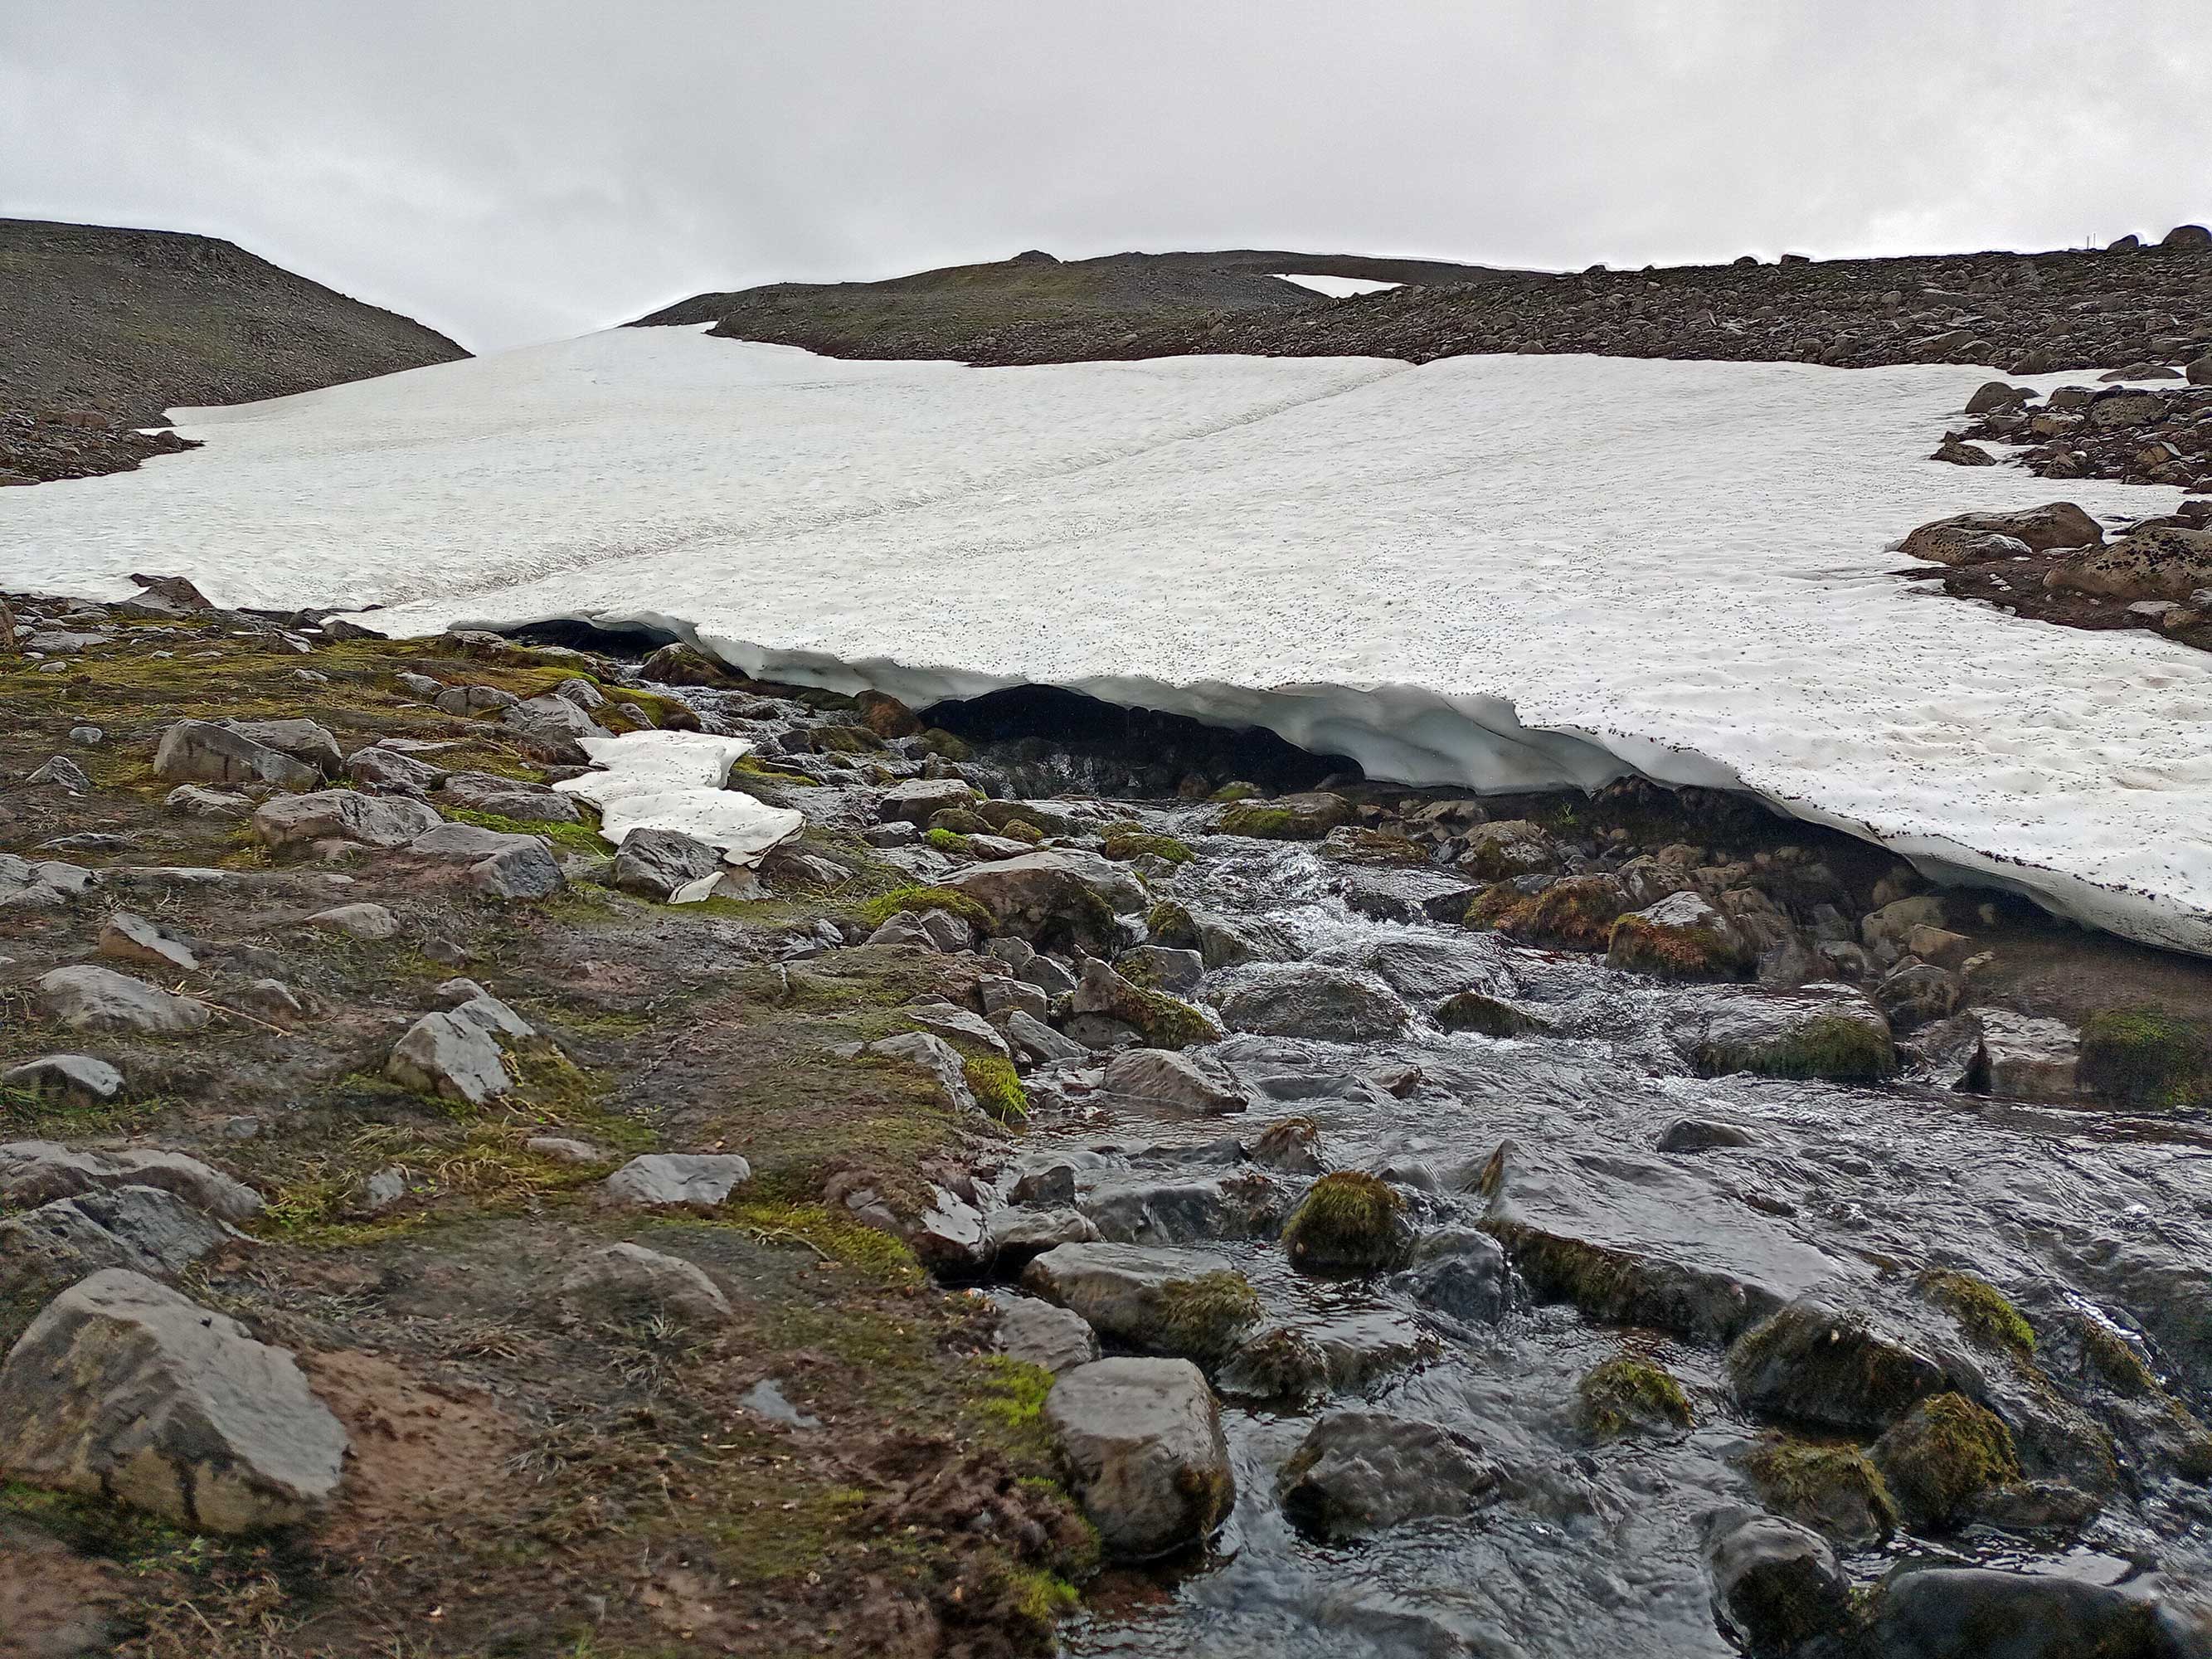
[(1594, 1548)]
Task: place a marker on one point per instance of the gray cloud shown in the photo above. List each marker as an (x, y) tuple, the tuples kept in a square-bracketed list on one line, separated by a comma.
[(513, 171)]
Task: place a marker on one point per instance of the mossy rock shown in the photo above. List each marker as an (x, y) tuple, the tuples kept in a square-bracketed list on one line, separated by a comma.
[(1021, 829), (1167, 1022), (2147, 1058), (1289, 817), (1383, 847), (1832, 1487), (1835, 1047), (685, 665), (1171, 924), (960, 821), (919, 900), (1206, 1317), (1626, 1396), (1122, 843), (950, 841), (1981, 1310), (1349, 1224), (1637, 944), (1235, 792), (886, 716), (1471, 1011), (846, 740), (1577, 913), (936, 740), (1942, 1455), (1493, 904)]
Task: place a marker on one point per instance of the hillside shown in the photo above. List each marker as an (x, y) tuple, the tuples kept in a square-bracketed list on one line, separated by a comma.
[(1034, 309), (106, 328)]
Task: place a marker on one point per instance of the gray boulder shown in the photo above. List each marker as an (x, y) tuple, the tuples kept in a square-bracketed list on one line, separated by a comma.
[(88, 999), (123, 1388), (190, 800), (1182, 1302), (1814, 1362), (623, 1282), (1165, 1083), (452, 1057), (37, 1171), (1358, 1472), (1974, 1613), (1148, 1462), (654, 863), (916, 800), (1038, 1334), (78, 1078), (1309, 999), (342, 815), (370, 922), (1829, 1031), (659, 1179), (966, 1030), (1061, 899), (507, 798), (46, 1249), (934, 1055), (518, 873), (1034, 1041), (474, 700), (201, 751), (303, 740), (387, 770)]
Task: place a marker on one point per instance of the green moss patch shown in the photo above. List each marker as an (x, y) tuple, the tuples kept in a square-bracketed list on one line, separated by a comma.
[(997, 1088), (918, 900), (1832, 1487), (1122, 843), (1981, 1310), (1628, 1395), (1349, 1223), (2146, 1059), (1943, 1455)]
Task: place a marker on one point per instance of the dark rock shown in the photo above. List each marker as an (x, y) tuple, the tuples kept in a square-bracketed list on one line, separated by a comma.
[(1359, 1472)]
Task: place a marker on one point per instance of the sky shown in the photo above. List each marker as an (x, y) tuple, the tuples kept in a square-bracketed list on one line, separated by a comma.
[(510, 171)]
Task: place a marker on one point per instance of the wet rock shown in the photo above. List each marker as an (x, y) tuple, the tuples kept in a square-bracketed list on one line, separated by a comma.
[(201, 751), (1815, 1363), (1826, 1484), (1306, 817), (128, 938), (1502, 851), (370, 922), (1149, 1464), (1700, 1134), (1034, 1041), (342, 815), (1408, 895), (667, 1178), (1061, 899), (1290, 1145), (124, 1389), (38, 1171), (1426, 968), (1628, 1395), (1349, 1224), (1310, 1000), (88, 999), (1359, 1472), (1037, 1333), (1160, 1019), (1775, 1585), (918, 799), (654, 863), (1917, 993), (1681, 937), (1017, 1234), (1576, 914), (1830, 1031), (1941, 1456), (1183, 1303), (1279, 1366), (1163, 1082), (1486, 1016), (623, 1283), (1160, 967), (1631, 1239), (79, 1079), (1144, 1208), (1973, 1613), (1461, 1273), (2022, 1057), (449, 1056)]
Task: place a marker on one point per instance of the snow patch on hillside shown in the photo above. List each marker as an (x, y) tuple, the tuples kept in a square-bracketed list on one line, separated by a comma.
[(1337, 287), (1497, 572)]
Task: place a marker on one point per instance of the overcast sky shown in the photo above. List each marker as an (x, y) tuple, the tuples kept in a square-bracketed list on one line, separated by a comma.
[(515, 170)]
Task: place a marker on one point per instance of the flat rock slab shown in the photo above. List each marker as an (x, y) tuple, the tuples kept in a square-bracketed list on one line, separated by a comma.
[(1642, 1240), (88, 999), (342, 815), (666, 1178), (1186, 1302), (125, 1389), (1143, 1440)]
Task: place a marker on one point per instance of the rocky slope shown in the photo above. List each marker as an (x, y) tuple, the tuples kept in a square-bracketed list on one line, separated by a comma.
[(106, 328), (1034, 309)]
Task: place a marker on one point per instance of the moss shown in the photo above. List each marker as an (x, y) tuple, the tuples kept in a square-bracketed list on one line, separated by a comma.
[(1493, 904), (1262, 822), (998, 1088), (1833, 1046), (1229, 793), (1124, 843), (1348, 1223), (1981, 1310), (846, 740), (1471, 1011), (566, 837), (753, 766), (1021, 829), (831, 1233), (917, 900), (2145, 1058), (1941, 1455), (2115, 1359), (1626, 1395), (1167, 1022), (1638, 945), (1384, 847), (1169, 923), (936, 740), (1203, 1317), (1577, 913), (950, 841), (960, 820), (1832, 1487)]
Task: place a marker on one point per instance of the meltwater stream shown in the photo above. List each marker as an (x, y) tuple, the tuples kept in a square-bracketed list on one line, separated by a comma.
[(1591, 1548)]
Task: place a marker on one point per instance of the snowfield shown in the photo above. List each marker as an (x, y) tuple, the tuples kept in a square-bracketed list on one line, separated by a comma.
[(1337, 287), (1500, 572)]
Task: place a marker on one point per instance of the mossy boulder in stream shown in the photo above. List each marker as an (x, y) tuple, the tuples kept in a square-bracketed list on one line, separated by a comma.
[(2146, 1059), (1627, 1395), (1812, 1362), (1982, 1311), (1287, 818), (1830, 1486), (1941, 1456), (1349, 1224)]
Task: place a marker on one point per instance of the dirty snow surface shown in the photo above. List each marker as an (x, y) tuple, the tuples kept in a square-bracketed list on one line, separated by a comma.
[(1497, 571)]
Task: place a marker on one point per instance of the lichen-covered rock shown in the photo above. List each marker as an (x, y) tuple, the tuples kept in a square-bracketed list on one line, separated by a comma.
[(1349, 1224), (2146, 1059), (1958, 540), (1826, 1484), (1359, 1472), (1682, 937), (1514, 847), (124, 1389), (88, 999), (1147, 1459), (304, 740), (2164, 562), (1575, 914)]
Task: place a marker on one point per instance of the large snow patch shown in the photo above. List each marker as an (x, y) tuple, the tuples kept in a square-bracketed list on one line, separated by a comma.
[(1494, 571)]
